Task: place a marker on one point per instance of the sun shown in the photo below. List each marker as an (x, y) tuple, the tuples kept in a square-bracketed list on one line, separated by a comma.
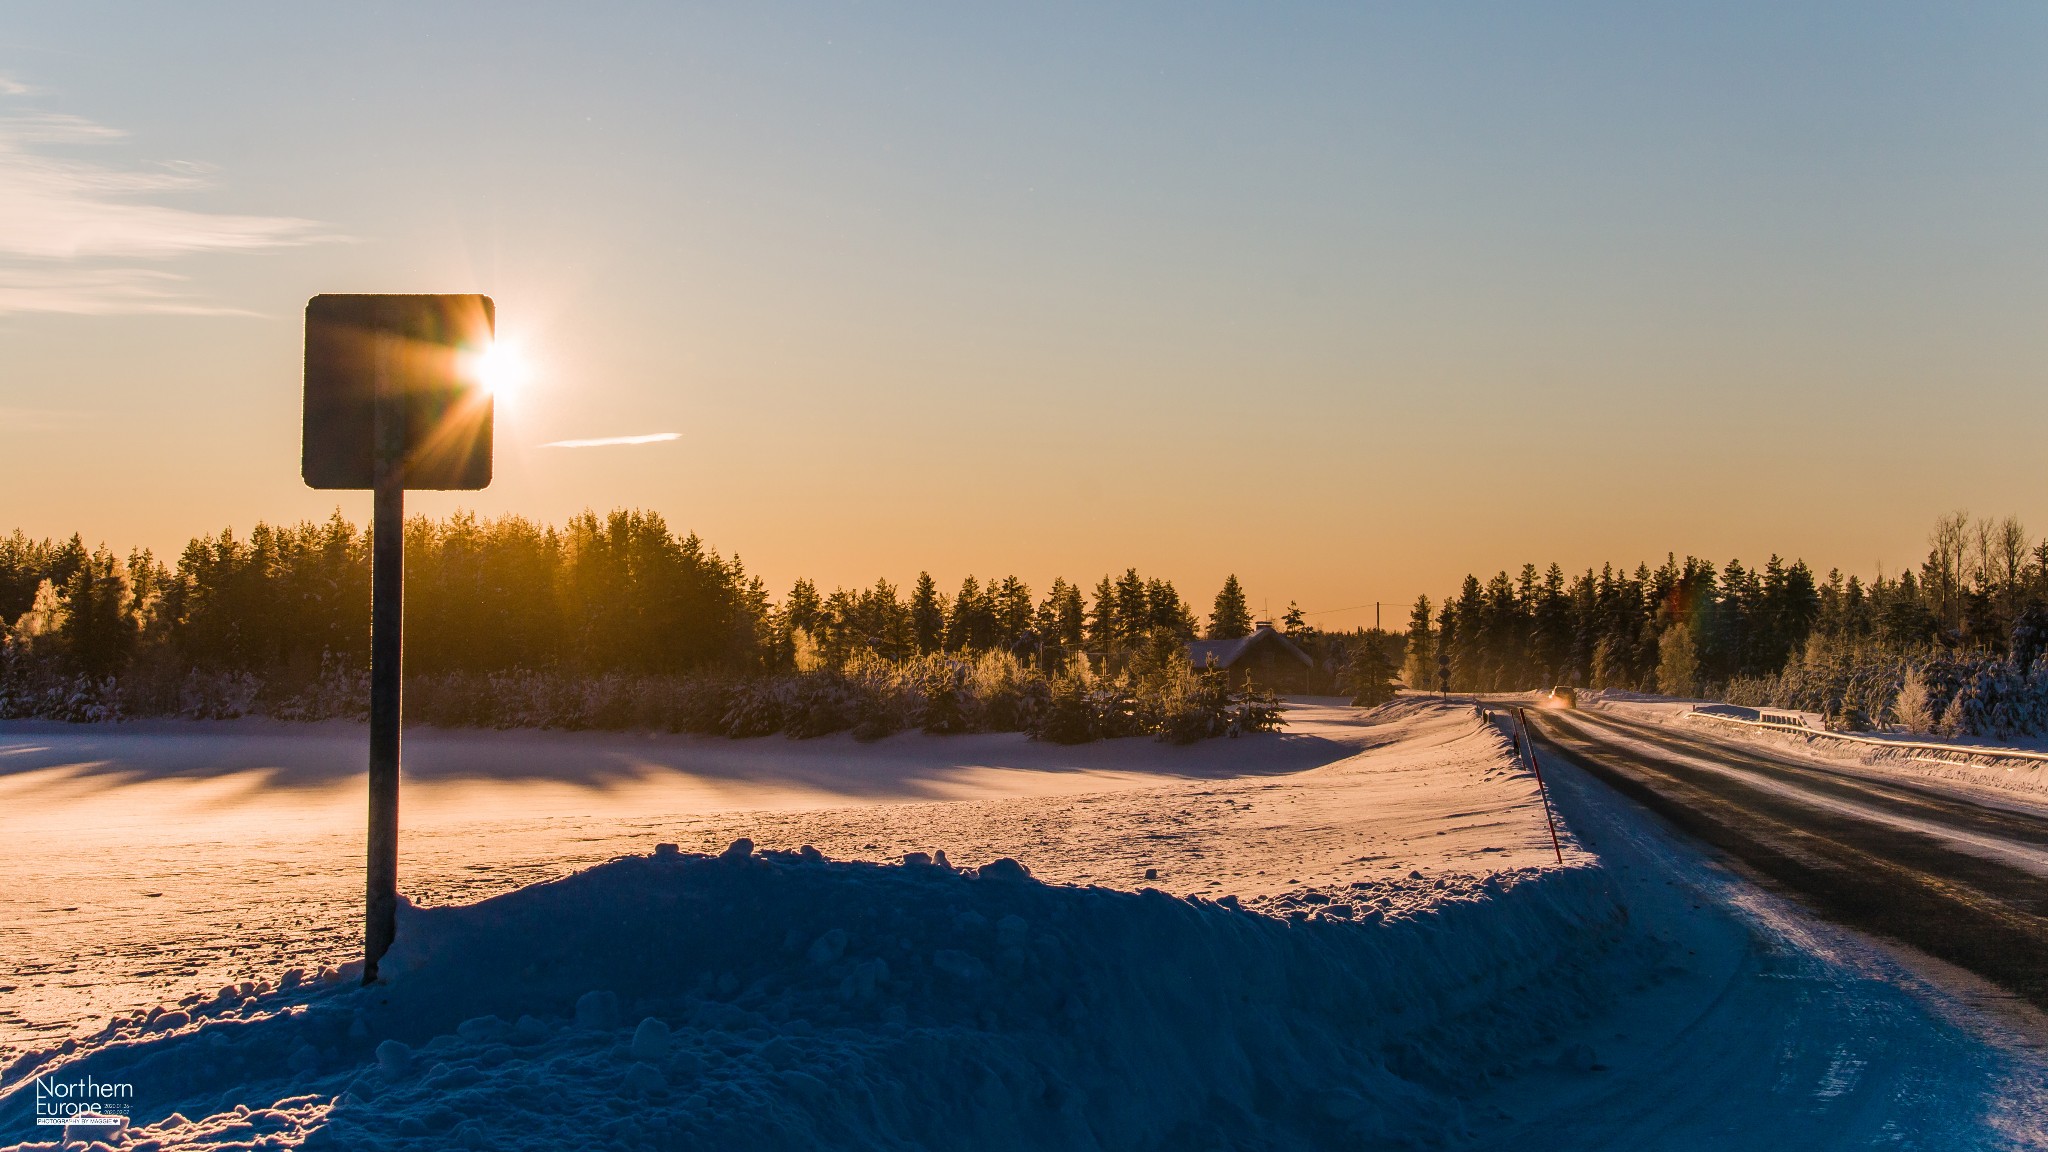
[(503, 370)]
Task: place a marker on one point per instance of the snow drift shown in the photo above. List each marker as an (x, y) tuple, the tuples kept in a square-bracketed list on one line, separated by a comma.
[(782, 1000)]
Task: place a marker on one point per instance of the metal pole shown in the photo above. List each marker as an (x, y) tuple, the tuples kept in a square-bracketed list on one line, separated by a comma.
[(387, 615)]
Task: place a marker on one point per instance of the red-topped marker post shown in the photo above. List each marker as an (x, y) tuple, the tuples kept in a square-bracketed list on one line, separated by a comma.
[(394, 400)]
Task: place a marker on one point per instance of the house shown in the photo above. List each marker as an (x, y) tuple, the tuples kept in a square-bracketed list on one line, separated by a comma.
[(1265, 659)]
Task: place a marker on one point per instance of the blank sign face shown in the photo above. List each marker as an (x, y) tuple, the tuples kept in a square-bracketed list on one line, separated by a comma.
[(428, 350)]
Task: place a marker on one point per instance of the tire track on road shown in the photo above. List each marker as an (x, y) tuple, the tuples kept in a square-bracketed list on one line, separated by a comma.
[(1908, 885)]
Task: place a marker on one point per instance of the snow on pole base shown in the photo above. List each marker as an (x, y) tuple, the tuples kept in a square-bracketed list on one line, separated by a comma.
[(781, 1000)]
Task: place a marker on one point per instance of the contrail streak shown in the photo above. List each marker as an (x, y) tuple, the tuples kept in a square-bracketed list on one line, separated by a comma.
[(609, 441)]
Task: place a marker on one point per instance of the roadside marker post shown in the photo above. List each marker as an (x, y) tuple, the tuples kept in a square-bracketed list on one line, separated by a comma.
[(1529, 746), (393, 400)]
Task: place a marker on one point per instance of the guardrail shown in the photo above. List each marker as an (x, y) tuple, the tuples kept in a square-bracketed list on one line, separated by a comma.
[(1940, 753)]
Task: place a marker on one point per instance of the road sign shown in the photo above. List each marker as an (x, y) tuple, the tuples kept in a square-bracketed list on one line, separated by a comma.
[(423, 350), (394, 400)]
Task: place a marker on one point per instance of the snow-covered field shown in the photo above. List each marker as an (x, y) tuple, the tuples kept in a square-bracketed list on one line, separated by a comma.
[(159, 860), (1352, 932)]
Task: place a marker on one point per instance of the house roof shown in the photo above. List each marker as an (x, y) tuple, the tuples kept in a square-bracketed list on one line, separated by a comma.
[(1229, 652)]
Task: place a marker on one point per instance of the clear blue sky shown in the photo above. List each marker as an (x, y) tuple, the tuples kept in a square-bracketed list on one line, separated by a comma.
[(1347, 299)]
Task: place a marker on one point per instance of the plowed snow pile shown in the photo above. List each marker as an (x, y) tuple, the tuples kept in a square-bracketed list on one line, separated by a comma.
[(779, 999)]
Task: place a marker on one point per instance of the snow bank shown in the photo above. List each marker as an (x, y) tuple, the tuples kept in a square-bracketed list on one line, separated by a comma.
[(1973, 764), (782, 1000)]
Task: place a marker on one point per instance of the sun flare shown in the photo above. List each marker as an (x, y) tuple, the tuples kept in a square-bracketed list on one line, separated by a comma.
[(504, 370)]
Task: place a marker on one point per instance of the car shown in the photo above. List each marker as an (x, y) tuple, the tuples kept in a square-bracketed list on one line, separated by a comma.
[(1562, 696)]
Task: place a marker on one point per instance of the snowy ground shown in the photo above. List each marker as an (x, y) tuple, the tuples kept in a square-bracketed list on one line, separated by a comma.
[(166, 859), (1399, 961)]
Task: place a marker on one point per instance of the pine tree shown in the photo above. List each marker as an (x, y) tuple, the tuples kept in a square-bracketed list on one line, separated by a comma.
[(927, 615), (966, 630), (1010, 610), (1367, 674), (800, 609), (1420, 670), (1102, 618), (1231, 617), (1133, 608), (98, 627), (1165, 612)]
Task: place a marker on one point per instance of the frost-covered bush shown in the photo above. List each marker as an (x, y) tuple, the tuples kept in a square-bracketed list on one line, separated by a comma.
[(1196, 706), (870, 696), (341, 691), (944, 693), (1069, 716), (217, 695), (818, 704), (1960, 696), (1998, 701), (755, 710), (998, 683)]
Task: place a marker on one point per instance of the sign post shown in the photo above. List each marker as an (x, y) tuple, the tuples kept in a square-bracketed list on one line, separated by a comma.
[(393, 401)]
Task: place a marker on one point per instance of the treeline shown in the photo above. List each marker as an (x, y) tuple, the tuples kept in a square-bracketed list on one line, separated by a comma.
[(1608, 629), (277, 622), (1967, 628)]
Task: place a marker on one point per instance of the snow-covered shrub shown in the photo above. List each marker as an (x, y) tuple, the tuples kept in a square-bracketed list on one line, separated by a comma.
[(1193, 707), (1998, 701), (1914, 710), (756, 709), (883, 703), (342, 690), (944, 688), (1069, 716), (818, 704), (217, 695), (1256, 712), (1116, 708), (1001, 688), (702, 704)]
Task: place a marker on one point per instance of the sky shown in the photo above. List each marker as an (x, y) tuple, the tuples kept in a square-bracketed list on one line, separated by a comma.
[(1349, 300)]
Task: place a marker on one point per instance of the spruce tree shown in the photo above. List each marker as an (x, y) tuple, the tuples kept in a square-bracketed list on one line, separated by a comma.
[(1010, 608), (1420, 671), (1231, 617), (1102, 621), (1366, 673), (964, 628), (927, 615), (98, 628)]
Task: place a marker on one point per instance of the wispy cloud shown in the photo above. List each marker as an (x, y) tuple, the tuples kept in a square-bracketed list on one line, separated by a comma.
[(13, 87), (101, 292), (63, 220), (615, 441)]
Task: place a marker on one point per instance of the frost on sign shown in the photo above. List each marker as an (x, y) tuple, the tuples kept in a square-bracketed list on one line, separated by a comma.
[(425, 349)]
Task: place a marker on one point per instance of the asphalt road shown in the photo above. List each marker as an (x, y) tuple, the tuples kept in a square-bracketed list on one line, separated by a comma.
[(1962, 881)]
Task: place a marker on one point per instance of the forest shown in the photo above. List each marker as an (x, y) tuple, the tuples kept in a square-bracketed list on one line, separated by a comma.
[(616, 620), (1965, 630), (608, 620)]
